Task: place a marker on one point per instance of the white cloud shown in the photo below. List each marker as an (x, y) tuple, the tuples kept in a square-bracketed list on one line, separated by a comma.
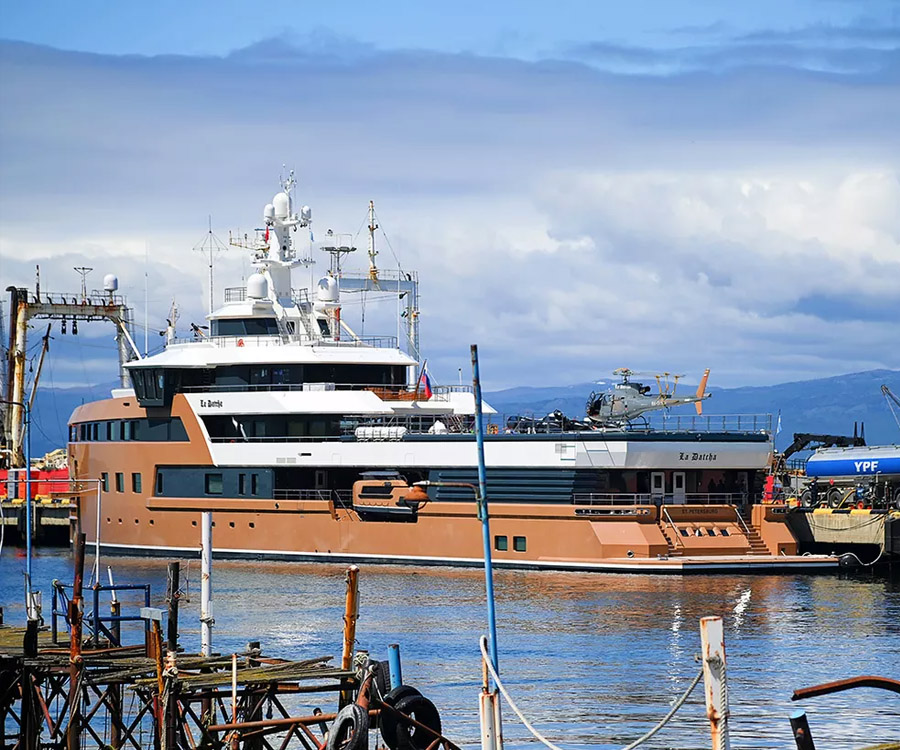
[(568, 221)]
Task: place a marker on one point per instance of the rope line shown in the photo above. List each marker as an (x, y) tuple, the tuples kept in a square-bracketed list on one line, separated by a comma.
[(643, 738)]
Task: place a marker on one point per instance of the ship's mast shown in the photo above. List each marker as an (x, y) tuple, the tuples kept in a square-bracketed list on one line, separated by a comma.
[(373, 268)]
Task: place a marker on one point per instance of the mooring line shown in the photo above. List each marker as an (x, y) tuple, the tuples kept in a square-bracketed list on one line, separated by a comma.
[(643, 738)]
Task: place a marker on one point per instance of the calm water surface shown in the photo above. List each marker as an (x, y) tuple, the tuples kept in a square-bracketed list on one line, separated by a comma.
[(594, 660)]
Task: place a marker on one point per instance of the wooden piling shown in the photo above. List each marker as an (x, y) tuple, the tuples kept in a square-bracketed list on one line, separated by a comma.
[(351, 615), (172, 584), (76, 663)]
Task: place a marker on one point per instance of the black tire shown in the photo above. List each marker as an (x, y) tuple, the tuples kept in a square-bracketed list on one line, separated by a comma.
[(806, 498), (417, 707), (350, 729), (399, 693), (897, 499), (835, 496), (381, 676)]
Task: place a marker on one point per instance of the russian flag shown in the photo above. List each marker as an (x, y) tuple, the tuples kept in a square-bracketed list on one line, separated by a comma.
[(425, 381)]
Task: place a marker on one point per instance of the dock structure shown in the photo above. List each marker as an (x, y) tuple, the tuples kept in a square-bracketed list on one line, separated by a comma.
[(82, 686), (869, 533), (53, 519)]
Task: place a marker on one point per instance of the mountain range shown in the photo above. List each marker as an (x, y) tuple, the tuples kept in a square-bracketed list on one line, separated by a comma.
[(825, 405)]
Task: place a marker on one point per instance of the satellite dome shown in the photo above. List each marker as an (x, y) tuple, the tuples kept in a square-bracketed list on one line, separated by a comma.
[(257, 286), (110, 282), (327, 290), (282, 205)]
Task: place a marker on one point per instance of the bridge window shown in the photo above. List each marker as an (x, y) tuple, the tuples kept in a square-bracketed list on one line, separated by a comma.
[(245, 327), (519, 543)]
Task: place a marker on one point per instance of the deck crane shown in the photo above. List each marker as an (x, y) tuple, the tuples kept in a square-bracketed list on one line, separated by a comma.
[(888, 396)]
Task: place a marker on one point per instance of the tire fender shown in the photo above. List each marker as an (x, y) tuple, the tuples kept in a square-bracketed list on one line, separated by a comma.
[(417, 707), (349, 730)]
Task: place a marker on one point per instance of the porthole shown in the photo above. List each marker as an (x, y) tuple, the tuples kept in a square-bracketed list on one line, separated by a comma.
[(231, 524), (252, 525), (193, 523)]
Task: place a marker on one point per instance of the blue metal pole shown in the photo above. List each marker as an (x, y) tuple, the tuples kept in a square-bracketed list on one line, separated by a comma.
[(28, 507), (482, 501), (394, 664)]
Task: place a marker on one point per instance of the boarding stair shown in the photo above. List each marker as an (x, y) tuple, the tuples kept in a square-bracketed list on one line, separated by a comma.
[(687, 538)]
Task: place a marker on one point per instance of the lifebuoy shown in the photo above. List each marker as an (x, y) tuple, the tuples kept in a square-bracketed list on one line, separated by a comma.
[(350, 729), (240, 342)]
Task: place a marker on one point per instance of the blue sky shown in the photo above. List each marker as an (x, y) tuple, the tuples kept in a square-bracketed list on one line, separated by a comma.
[(654, 184)]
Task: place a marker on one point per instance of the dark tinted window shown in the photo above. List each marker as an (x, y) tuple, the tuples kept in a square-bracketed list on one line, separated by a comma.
[(245, 327), (214, 484)]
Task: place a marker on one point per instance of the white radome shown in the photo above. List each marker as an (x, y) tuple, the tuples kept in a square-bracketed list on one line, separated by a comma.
[(110, 282), (282, 205), (257, 286)]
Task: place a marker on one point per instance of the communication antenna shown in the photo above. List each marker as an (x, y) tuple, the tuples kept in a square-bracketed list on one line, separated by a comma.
[(211, 247), (373, 267), (84, 271), (337, 245)]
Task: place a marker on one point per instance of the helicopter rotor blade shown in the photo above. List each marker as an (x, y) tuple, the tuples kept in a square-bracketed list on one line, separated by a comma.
[(701, 392)]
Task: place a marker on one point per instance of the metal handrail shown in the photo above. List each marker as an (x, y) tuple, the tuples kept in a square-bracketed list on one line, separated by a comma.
[(302, 494), (376, 342), (741, 520), (672, 524), (697, 498)]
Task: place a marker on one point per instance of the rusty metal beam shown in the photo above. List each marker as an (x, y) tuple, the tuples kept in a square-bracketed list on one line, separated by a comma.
[(882, 683)]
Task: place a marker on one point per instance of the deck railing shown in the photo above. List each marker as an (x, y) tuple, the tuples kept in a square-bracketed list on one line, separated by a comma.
[(341, 498), (646, 498), (274, 340)]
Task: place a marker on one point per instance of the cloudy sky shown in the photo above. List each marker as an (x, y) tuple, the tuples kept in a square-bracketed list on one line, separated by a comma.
[(662, 185)]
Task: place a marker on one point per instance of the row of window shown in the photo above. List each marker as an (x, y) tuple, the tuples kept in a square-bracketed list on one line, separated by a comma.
[(501, 543), (136, 483), (113, 430), (247, 483), (214, 484), (155, 386)]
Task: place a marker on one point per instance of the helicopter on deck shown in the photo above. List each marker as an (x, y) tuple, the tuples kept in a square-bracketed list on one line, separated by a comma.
[(628, 400)]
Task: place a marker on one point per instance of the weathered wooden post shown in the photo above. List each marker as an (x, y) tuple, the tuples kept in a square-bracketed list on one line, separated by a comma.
[(76, 662), (173, 581), (115, 691), (712, 637), (351, 615)]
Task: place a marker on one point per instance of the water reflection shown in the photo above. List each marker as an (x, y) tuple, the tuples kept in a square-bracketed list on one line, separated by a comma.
[(593, 659)]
